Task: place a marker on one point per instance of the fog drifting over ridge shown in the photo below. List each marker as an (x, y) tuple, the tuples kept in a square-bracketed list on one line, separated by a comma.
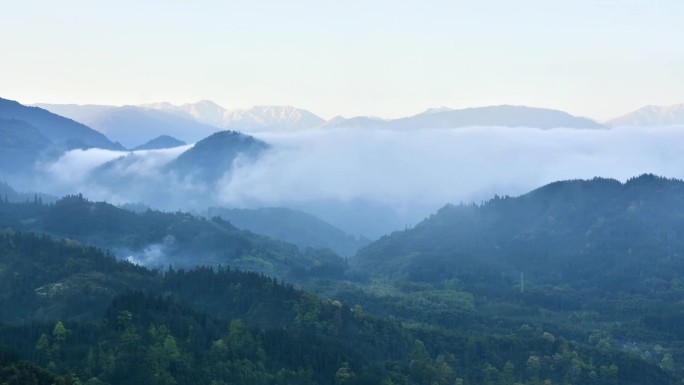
[(410, 172), (445, 166)]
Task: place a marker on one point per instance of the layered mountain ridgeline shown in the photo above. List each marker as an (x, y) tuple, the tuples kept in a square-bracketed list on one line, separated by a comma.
[(156, 238), (257, 118), (504, 116), (294, 226), (259, 331), (206, 116), (580, 255), (61, 131), (134, 125)]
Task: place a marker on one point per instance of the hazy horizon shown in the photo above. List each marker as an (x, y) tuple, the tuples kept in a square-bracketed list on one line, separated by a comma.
[(596, 59)]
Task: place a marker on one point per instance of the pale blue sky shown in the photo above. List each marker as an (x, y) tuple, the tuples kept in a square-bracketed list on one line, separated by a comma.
[(596, 58)]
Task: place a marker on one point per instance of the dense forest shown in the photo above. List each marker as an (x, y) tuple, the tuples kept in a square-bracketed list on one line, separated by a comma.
[(107, 321), (578, 282)]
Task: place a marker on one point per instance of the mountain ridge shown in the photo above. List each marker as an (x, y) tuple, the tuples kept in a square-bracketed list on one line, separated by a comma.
[(60, 130), (161, 142), (500, 115), (651, 116)]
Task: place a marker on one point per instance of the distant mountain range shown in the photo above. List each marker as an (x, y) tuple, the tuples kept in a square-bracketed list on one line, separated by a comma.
[(181, 121), (133, 125), (651, 116), (263, 118), (257, 118)]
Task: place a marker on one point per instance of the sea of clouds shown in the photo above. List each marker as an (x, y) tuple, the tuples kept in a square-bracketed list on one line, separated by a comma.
[(409, 173)]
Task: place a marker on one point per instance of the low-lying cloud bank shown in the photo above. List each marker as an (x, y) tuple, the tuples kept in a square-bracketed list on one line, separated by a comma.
[(408, 172)]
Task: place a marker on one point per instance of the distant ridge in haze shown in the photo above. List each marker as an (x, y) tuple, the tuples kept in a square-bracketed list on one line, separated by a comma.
[(285, 118), (163, 118), (132, 125), (21, 145), (58, 129), (504, 116), (651, 116), (161, 142), (281, 118)]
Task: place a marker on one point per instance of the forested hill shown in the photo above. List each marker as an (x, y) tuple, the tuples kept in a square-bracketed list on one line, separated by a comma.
[(229, 327), (601, 261), (158, 239), (594, 234)]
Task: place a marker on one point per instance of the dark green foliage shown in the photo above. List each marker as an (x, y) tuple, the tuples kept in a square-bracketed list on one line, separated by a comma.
[(59, 279), (576, 256), (453, 282), (226, 326), (158, 239)]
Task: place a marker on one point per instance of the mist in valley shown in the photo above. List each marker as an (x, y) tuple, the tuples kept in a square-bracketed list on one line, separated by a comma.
[(368, 182)]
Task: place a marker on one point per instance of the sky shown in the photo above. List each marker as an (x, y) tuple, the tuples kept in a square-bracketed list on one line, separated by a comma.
[(593, 58)]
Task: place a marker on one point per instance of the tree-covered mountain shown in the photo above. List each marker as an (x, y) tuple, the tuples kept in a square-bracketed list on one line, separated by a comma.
[(61, 131), (229, 327), (158, 239), (161, 142), (598, 231), (210, 158), (294, 226), (597, 258)]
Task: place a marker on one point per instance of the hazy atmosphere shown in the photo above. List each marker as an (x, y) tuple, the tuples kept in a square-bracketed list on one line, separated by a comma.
[(411, 172), (342, 193)]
